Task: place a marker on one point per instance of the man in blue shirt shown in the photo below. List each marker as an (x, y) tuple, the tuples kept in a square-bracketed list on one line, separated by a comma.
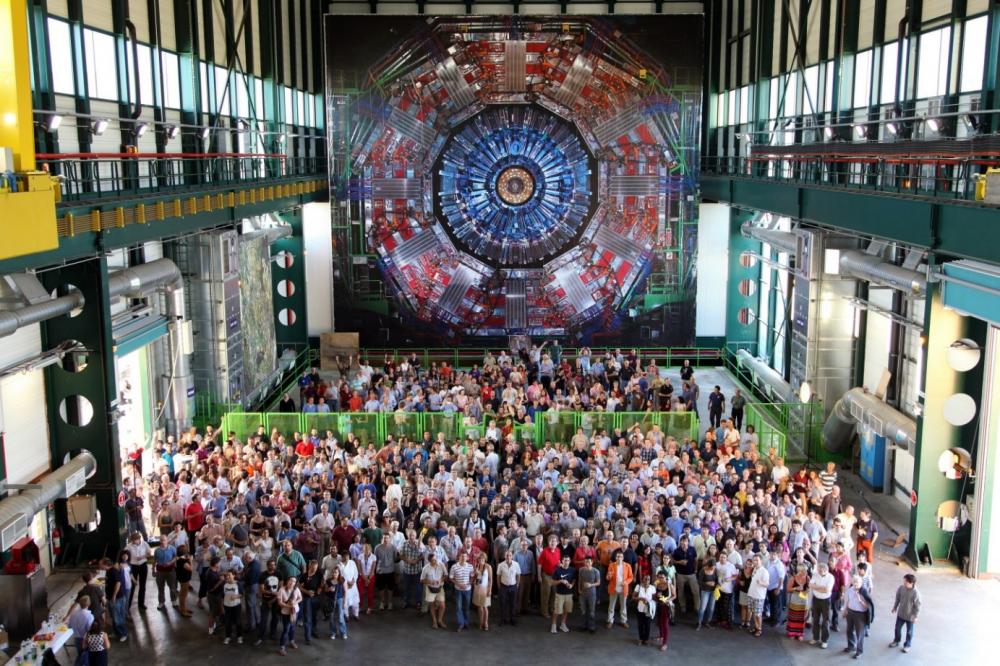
[(165, 557), (686, 561)]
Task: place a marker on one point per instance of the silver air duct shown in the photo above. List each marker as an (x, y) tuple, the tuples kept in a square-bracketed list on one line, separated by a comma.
[(766, 376), (874, 269), (278, 232), (163, 275), (13, 320), (17, 511), (785, 241), (858, 407)]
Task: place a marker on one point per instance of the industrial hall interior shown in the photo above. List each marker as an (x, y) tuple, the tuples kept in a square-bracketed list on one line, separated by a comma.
[(518, 331)]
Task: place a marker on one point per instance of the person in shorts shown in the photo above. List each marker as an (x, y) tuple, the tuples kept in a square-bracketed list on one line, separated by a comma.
[(386, 557), (432, 576), (564, 584)]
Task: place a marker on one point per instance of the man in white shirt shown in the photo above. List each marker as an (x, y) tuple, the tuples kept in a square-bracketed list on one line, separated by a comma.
[(727, 573), (508, 576), (758, 593), (139, 553), (821, 589)]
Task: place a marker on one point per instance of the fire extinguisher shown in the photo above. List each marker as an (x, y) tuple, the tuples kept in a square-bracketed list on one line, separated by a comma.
[(56, 541)]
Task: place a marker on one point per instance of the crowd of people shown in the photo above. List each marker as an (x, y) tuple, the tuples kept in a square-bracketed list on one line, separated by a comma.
[(283, 535), (509, 388)]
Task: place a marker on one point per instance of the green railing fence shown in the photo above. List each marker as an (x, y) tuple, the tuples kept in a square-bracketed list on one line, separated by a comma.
[(554, 426)]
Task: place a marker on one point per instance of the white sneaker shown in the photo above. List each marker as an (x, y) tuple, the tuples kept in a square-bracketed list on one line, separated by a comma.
[(226, 642), (563, 628), (823, 645), (123, 639), (240, 640), (554, 630), (333, 637), (814, 642)]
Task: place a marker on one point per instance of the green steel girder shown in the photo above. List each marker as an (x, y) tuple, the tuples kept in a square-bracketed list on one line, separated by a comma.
[(296, 333), (68, 431), (947, 227), (93, 243)]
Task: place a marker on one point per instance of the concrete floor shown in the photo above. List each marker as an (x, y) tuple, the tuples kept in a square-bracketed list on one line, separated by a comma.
[(956, 624)]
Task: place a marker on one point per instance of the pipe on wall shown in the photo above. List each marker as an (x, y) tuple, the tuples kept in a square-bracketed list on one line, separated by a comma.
[(870, 268), (163, 275), (785, 241), (52, 486), (770, 378), (898, 428)]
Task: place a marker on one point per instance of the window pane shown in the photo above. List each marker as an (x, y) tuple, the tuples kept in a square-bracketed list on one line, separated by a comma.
[(171, 80), (720, 110), (773, 103), (222, 92), (242, 98), (258, 86), (973, 54), (206, 105), (320, 112), (102, 71), (932, 67), (289, 107), (731, 107), (145, 74), (862, 78), (890, 52), (828, 93), (791, 92), (744, 104), (61, 57), (810, 95)]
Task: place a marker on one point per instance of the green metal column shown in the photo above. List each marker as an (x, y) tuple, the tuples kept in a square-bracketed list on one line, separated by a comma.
[(935, 435), (738, 334), (296, 332), (69, 430)]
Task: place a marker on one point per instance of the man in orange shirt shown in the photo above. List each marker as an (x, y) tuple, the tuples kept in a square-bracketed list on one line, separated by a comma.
[(619, 578), (605, 551)]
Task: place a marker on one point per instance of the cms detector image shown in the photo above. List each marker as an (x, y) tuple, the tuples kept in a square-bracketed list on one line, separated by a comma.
[(499, 176)]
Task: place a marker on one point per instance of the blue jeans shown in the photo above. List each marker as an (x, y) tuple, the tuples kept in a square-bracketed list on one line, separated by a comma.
[(287, 630), (706, 610), (338, 619), (309, 616), (253, 609), (900, 623), (118, 608), (82, 657), (411, 589), (463, 599)]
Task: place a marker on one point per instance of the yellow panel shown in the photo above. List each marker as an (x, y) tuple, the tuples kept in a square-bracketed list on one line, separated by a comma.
[(16, 123), (27, 223)]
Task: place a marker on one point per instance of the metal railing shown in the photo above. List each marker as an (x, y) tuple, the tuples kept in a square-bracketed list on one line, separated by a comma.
[(469, 356), (558, 427), (951, 178), (86, 176)]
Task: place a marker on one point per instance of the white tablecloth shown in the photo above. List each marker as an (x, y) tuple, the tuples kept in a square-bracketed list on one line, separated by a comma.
[(57, 643)]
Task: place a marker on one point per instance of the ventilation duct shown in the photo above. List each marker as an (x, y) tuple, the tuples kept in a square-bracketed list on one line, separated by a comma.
[(784, 241), (878, 271), (164, 275), (13, 320), (858, 407), (766, 376), (17, 511)]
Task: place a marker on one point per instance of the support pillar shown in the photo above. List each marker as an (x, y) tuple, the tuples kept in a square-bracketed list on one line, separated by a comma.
[(81, 402)]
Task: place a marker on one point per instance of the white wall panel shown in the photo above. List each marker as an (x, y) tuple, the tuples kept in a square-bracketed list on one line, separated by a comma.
[(540, 9), (22, 409), (168, 31), (443, 9), (587, 8), (635, 8), (396, 8), (352, 8), (58, 8), (97, 14), (138, 13), (877, 338), (492, 8), (317, 238), (713, 270)]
